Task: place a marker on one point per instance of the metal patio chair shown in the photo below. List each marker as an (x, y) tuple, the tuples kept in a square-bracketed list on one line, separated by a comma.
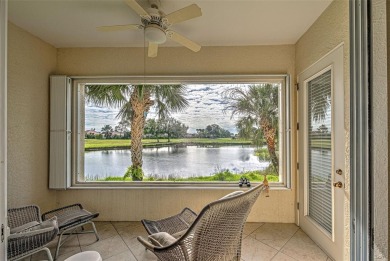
[(215, 234), (29, 235), (70, 218)]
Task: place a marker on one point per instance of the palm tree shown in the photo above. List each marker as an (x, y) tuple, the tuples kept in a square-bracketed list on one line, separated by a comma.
[(257, 107), (135, 102), (319, 92), (107, 131)]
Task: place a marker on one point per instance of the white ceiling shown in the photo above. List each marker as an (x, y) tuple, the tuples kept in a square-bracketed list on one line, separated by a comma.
[(72, 23)]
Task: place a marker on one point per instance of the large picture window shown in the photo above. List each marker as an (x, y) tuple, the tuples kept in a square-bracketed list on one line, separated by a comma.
[(179, 130)]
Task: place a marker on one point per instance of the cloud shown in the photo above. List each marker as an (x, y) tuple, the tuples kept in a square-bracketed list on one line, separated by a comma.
[(206, 107), (199, 88)]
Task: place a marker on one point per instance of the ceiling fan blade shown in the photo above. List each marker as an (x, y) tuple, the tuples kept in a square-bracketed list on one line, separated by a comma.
[(184, 14), (152, 50), (183, 41), (138, 9), (111, 28)]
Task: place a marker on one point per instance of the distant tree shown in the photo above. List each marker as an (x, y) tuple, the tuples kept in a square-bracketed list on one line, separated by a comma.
[(179, 129), (107, 131), (200, 133), (171, 128), (215, 131), (151, 128), (122, 127), (127, 134), (176, 129), (90, 136)]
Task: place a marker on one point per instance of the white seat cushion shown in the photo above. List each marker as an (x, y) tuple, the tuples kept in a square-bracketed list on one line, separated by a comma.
[(24, 227), (38, 228), (161, 239), (85, 256)]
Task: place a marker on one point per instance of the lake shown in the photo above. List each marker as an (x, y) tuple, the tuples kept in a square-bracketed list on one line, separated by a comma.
[(180, 161)]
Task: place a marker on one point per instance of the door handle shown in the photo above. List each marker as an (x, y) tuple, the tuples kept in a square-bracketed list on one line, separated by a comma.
[(338, 184)]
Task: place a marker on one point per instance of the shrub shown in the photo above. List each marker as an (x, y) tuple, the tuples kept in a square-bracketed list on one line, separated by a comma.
[(136, 173)]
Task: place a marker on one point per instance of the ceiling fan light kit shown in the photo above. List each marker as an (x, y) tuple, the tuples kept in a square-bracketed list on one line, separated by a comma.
[(155, 34), (156, 25)]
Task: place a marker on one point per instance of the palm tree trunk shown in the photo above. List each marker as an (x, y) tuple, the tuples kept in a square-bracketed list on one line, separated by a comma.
[(140, 106), (269, 134)]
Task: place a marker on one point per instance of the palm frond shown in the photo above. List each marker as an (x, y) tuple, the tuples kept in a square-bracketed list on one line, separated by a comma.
[(320, 96), (259, 101), (140, 90), (125, 112), (112, 96), (245, 127), (169, 98)]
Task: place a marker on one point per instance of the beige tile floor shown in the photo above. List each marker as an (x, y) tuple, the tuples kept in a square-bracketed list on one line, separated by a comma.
[(262, 241)]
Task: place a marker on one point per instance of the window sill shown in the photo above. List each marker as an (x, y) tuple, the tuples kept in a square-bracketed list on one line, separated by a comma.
[(170, 185)]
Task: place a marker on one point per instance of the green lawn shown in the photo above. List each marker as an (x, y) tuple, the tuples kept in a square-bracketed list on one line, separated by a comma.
[(94, 144), (253, 176), (321, 143)]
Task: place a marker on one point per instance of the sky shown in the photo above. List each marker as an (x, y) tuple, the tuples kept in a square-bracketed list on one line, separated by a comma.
[(206, 107)]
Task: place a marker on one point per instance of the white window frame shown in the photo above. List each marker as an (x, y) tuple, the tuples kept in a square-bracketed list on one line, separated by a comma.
[(78, 125), (3, 128)]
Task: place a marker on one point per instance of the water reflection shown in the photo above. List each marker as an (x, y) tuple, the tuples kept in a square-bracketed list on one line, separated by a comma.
[(182, 161)]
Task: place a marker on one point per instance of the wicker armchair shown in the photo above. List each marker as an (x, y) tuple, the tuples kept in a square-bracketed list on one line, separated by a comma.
[(70, 218), (216, 233), (27, 239)]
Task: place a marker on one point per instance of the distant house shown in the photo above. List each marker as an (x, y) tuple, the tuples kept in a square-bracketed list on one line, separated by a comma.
[(91, 132), (117, 134), (191, 135)]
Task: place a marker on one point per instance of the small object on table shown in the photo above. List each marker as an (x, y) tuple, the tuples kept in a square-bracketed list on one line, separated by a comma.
[(266, 186), (244, 181), (241, 182)]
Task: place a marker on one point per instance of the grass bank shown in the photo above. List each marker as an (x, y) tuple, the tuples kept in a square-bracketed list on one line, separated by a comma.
[(94, 144), (224, 175)]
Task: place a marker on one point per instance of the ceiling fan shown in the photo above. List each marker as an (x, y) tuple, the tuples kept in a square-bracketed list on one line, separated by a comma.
[(156, 25)]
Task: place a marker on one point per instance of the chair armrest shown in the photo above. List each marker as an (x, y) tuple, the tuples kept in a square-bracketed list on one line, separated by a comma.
[(146, 243)]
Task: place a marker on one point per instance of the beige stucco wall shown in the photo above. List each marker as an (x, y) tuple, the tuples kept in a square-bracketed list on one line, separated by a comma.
[(30, 62), (330, 30), (177, 61), (134, 204)]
